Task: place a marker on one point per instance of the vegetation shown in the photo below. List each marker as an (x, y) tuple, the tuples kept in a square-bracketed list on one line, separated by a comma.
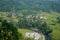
[(19, 17), (18, 25), (23, 31), (31, 6), (8, 31)]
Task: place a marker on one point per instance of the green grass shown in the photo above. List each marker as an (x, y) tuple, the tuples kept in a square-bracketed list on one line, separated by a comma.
[(23, 31), (55, 35), (56, 32)]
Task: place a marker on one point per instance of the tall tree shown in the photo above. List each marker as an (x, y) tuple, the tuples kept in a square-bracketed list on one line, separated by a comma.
[(8, 31)]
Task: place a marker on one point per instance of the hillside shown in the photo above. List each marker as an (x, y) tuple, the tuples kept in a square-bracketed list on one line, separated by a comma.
[(33, 18), (30, 5)]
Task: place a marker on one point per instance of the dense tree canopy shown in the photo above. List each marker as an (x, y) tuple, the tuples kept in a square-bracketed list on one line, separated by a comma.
[(34, 5), (8, 31)]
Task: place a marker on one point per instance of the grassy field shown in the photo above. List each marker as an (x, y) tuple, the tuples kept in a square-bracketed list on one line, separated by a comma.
[(23, 31)]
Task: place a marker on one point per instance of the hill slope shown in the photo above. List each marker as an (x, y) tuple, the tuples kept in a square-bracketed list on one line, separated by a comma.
[(31, 5)]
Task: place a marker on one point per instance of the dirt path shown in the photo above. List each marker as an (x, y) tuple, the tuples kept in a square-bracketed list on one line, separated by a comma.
[(35, 35), (43, 37)]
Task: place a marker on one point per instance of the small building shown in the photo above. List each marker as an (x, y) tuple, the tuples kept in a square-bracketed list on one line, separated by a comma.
[(29, 16), (43, 18), (13, 15)]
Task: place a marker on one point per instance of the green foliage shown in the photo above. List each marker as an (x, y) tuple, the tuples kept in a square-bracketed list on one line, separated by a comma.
[(55, 35), (23, 31), (58, 18), (20, 36), (8, 31), (24, 5), (40, 25), (44, 26), (29, 39)]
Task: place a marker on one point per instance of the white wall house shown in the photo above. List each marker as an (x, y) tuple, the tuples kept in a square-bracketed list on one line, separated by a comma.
[(44, 18)]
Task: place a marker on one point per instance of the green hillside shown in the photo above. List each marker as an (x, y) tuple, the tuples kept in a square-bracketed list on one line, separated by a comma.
[(30, 5), (20, 16)]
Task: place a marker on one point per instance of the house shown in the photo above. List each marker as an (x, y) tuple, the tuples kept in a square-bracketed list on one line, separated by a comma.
[(43, 18), (13, 15), (29, 16)]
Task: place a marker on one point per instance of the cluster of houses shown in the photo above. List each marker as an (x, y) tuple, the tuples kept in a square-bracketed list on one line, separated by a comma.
[(30, 17), (36, 17)]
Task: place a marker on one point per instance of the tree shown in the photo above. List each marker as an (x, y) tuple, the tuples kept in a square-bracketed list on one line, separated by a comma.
[(8, 31), (44, 28), (58, 18)]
